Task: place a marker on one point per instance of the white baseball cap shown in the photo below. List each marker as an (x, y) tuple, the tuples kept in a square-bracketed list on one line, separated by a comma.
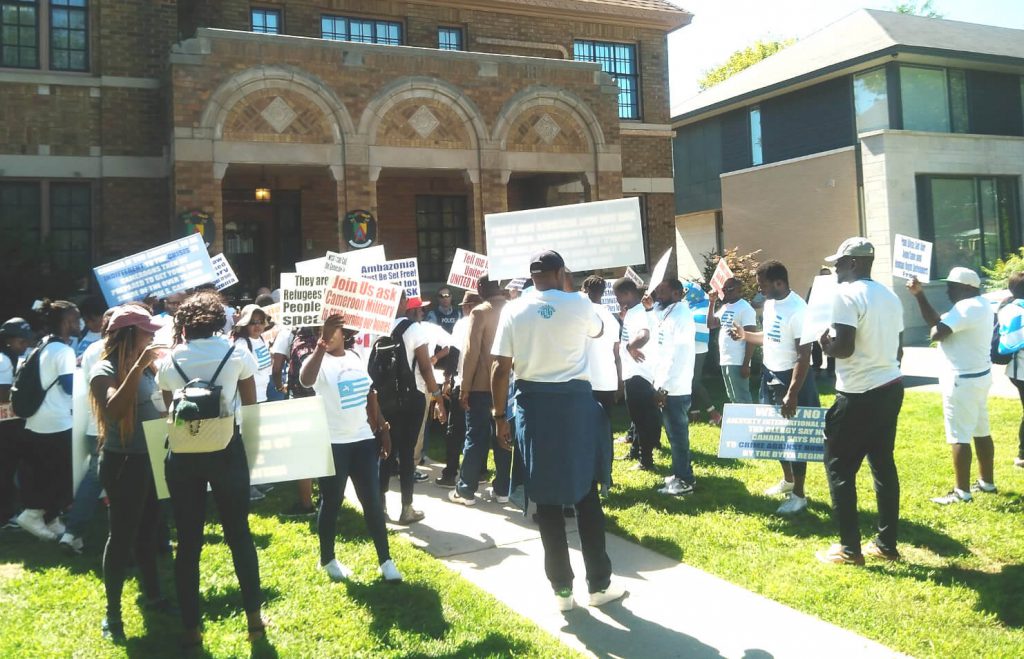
[(964, 276)]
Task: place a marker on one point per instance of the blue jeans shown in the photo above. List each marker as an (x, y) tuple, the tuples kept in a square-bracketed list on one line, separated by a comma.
[(737, 387), (480, 436), (676, 416), (357, 461), (84, 505)]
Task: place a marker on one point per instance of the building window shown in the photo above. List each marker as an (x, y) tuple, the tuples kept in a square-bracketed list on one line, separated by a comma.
[(756, 151), (449, 38), (266, 21), (20, 216), (69, 35), (19, 34), (441, 227), (959, 116), (871, 100), (341, 28), (972, 221), (70, 226), (619, 61), (925, 99)]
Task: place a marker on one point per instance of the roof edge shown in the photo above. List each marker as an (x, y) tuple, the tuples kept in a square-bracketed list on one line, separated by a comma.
[(602, 13)]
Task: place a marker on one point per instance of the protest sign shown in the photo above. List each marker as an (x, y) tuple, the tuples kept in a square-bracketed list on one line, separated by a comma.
[(273, 312), (591, 236), (311, 267), (225, 274), (467, 268), (516, 284), (404, 273), (608, 298), (660, 268), (911, 258), (284, 441), (347, 263), (818, 315), (722, 274), (637, 279), (302, 299), (760, 432), (368, 306), (177, 266)]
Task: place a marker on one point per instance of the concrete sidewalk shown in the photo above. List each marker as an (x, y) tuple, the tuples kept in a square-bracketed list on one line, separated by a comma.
[(672, 610), (921, 367)]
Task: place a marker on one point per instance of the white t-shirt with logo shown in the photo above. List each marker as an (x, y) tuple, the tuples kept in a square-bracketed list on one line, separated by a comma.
[(344, 384), (732, 352), (783, 323), (675, 335), (54, 415), (633, 323), (264, 364), (968, 349), (199, 359), (601, 353), (546, 335), (877, 315)]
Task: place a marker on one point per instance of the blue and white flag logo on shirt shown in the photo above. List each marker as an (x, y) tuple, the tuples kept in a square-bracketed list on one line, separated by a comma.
[(353, 392)]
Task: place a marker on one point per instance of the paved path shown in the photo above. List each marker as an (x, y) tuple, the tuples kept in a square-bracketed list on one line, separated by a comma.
[(921, 367), (672, 610)]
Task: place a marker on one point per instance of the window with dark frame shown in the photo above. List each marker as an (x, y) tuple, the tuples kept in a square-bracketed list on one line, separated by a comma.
[(20, 214), (70, 226), (19, 34), (450, 38), (362, 30), (442, 226), (265, 21), (69, 35), (619, 61)]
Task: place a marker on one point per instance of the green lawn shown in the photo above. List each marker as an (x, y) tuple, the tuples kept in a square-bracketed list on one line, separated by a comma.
[(959, 592), (51, 606)]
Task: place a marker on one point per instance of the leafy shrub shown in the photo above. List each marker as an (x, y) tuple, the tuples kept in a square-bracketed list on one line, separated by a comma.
[(998, 275), (743, 266)]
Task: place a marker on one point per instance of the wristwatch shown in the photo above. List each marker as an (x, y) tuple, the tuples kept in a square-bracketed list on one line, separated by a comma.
[(436, 394), (498, 415), (662, 392)]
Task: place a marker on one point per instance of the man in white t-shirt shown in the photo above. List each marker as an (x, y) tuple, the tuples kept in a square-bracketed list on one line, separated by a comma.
[(868, 325), (733, 355), (964, 335), (605, 369), (637, 357)]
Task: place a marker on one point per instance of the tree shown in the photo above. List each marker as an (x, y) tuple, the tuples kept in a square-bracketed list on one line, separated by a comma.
[(918, 8), (742, 59)]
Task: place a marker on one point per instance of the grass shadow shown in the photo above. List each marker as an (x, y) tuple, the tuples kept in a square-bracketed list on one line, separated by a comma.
[(227, 602), (261, 540), (999, 593), (409, 607), (492, 645)]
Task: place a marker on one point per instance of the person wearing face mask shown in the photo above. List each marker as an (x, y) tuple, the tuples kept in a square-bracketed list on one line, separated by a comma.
[(734, 356), (16, 336)]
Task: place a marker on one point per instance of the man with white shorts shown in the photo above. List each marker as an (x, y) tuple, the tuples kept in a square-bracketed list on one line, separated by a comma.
[(964, 334)]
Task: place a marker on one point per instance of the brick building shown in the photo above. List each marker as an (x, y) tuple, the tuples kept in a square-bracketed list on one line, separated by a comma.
[(116, 117)]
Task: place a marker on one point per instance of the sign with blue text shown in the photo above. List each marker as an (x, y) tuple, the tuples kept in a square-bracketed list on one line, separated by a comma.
[(760, 432), (177, 266), (911, 258)]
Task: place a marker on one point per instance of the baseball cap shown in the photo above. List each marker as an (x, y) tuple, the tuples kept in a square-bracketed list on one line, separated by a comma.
[(964, 276), (133, 316), (416, 303), (855, 246), (546, 261), (17, 328)]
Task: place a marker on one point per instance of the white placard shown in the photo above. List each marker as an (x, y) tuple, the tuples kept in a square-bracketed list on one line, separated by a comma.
[(161, 271), (273, 312), (608, 298), (637, 279), (467, 269), (516, 284), (302, 299), (368, 306), (818, 316), (722, 274), (225, 274), (660, 268), (591, 236), (310, 267), (284, 441), (346, 263), (403, 272), (911, 258)]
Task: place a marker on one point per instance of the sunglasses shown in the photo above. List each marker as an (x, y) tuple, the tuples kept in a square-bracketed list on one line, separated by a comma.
[(445, 295)]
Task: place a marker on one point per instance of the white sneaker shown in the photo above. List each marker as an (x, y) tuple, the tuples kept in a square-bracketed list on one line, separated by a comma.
[(677, 488), (954, 496), (336, 571), (497, 497), (1018, 462), (983, 486), (56, 527), (389, 571), (32, 521), (455, 497), (792, 505), (780, 488), (613, 592), (71, 544), (564, 600)]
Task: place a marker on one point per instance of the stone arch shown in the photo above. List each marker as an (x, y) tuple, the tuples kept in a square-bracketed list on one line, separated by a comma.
[(295, 80), (545, 96), (413, 87)]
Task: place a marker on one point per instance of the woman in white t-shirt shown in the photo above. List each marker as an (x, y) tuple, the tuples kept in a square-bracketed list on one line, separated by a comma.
[(359, 439), (16, 336), (248, 334)]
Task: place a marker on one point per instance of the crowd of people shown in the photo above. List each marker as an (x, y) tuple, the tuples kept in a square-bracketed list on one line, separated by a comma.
[(526, 377)]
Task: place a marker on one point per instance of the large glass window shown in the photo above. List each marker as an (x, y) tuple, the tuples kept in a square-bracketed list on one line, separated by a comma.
[(69, 35), (619, 61), (441, 227), (70, 226), (756, 151), (450, 38), (19, 34), (341, 28), (20, 215), (925, 97), (266, 21), (960, 118), (871, 100), (972, 220)]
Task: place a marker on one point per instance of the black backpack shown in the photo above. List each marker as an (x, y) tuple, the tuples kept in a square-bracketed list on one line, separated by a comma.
[(389, 369), (998, 357), (27, 392)]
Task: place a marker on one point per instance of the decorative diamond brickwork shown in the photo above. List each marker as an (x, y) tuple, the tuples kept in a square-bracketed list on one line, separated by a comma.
[(424, 122), (278, 114), (547, 128)]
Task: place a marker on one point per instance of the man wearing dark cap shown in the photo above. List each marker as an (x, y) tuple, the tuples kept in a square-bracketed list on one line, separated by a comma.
[(558, 423)]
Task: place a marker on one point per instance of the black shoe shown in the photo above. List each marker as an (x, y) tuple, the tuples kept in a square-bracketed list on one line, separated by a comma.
[(113, 630), (298, 510), (420, 477), (445, 481)]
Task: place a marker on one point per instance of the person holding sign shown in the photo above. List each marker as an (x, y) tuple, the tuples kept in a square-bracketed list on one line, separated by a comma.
[(784, 380), (868, 325), (734, 356), (964, 335), (638, 373), (359, 437)]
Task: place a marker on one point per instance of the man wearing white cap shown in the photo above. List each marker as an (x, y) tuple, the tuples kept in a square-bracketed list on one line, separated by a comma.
[(867, 320), (964, 334)]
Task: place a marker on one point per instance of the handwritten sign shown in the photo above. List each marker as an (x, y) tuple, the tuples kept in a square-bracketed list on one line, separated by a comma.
[(911, 258), (467, 269), (608, 298), (225, 274), (818, 315), (591, 236), (302, 299), (368, 306), (722, 274), (171, 268), (660, 268), (635, 278), (404, 273), (346, 263), (284, 441), (760, 432)]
